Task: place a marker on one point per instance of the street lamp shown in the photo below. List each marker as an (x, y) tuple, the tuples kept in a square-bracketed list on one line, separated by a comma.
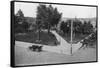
[(71, 35)]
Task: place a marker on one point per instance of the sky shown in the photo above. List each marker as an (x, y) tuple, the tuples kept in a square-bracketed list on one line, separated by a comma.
[(70, 11)]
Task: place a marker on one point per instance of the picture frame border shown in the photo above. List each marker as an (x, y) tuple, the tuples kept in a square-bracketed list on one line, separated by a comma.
[(12, 41)]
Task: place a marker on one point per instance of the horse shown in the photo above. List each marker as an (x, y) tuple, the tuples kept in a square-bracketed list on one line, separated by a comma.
[(84, 43)]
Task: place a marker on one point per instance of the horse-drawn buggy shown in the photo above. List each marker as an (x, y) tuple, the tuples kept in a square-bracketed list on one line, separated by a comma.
[(88, 41), (37, 48)]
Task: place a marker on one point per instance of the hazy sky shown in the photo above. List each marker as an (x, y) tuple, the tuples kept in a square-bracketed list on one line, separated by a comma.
[(29, 9)]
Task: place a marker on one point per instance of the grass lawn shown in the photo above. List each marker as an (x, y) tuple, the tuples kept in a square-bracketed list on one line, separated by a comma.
[(76, 37), (79, 37), (47, 39), (31, 37)]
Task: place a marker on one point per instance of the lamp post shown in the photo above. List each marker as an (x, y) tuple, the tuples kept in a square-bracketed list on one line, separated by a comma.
[(71, 36)]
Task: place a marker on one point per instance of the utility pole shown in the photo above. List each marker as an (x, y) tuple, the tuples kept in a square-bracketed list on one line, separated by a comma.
[(71, 36)]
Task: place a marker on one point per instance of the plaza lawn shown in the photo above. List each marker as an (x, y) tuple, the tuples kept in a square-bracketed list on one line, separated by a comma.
[(24, 56), (32, 37)]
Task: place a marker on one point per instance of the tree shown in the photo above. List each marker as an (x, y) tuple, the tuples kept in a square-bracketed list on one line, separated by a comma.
[(64, 27), (87, 27), (20, 13), (48, 16), (41, 18), (55, 17), (76, 26), (21, 25)]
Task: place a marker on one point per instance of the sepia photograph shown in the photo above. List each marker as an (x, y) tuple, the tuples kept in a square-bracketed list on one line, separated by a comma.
[(51, 33)]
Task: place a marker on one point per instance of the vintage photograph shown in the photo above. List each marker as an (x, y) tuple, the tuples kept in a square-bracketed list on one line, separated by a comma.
[(49, 33)]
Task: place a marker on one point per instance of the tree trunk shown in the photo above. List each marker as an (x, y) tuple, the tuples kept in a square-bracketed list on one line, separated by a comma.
[(48, 28), (38, 33)]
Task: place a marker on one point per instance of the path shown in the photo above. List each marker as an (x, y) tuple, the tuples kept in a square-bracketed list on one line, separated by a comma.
[(65, 46)]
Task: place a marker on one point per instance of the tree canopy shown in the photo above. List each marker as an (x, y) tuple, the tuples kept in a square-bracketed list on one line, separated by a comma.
[(48, 16), (78, 27)]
